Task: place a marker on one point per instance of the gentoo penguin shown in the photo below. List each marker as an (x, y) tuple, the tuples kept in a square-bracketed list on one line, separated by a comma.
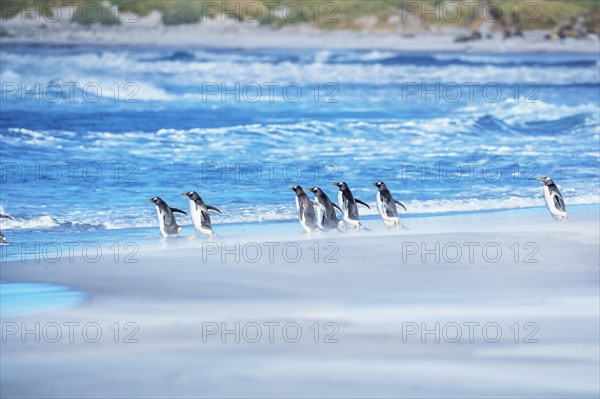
[(326, 217), (199, 213), (553, 198), (347, 203), (306, 210), (166, 219), (387, 205)]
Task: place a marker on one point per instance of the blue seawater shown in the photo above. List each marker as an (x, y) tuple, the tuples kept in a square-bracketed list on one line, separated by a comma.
[(88, 133), (18, 299)]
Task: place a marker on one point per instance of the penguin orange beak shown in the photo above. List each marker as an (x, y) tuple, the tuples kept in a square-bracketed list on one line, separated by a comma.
[(374, 184), (150, 200), (292, 188), (186, 194), (540, 178), (336, 184)]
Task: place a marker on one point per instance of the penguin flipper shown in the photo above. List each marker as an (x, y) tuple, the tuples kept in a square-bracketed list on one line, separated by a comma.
[(401, 204), (338, 208), (559, 202), (212, 208), (362, 203), (175, 210)]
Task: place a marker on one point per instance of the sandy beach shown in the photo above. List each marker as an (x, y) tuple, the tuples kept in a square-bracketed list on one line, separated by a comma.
[(150, 32), (515, 315)]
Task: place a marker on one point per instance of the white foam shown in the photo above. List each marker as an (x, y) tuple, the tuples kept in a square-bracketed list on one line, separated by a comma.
[(522, 110), (24, 223)]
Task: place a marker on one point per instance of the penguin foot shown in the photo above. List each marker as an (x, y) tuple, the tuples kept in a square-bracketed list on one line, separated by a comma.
[(362, 227)]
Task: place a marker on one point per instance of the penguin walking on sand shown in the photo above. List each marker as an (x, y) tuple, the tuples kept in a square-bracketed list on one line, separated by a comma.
[(348, 204), (554, 199), (326, 216), (306, 210), (166, 219), (387, 205), (199, 213)]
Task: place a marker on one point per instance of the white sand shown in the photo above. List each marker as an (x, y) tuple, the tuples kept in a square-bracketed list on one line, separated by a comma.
[(150, 32), (372, 294)]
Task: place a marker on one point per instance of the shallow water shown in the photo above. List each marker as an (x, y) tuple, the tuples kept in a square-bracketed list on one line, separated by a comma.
[(76, 162), (22, 299)]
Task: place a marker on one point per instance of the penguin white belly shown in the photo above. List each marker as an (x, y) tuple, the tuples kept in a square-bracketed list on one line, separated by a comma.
[(344, 209), (301, 217), (341, 203), (552, 206), (196, 214), (388, 221), (320, 215), (161, 222), (380, 206)]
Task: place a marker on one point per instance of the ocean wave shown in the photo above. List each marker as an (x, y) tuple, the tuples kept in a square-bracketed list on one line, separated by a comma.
[(40, 222), (190, 70), (474, 204), (424, 138), (10, 221), (523, 110), (373, 74), (366, 57), (581, 61)]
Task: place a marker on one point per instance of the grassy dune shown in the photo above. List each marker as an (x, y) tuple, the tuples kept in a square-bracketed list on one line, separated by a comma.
[(335, 14)]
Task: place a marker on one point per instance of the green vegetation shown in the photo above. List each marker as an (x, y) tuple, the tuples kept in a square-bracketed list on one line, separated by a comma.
[(93, 11), (331, 14)]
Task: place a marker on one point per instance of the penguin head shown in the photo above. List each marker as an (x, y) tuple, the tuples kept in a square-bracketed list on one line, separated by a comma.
[(297, 189), (380, 185), (315, 190), (547, 180), (341, 185), (156, 200), (192, 195)]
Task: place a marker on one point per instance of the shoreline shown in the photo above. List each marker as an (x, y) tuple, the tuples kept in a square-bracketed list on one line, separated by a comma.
[(286, 229), (263, 38), (148, 239)]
